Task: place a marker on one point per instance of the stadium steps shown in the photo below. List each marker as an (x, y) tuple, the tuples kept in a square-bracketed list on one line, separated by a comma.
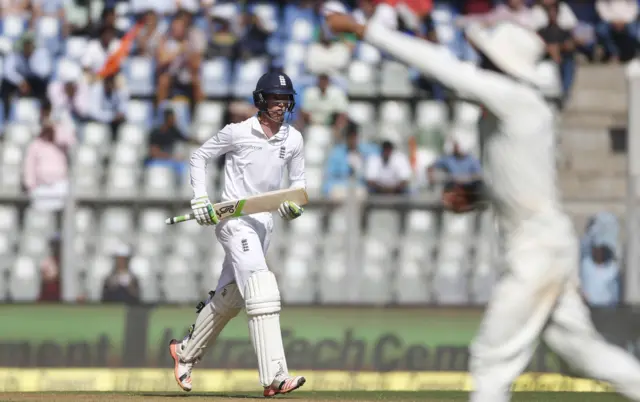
[(592, 175)]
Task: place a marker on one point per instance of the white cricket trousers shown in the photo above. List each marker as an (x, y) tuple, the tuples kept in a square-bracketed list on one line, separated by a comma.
[(538, 296), (245, 242)]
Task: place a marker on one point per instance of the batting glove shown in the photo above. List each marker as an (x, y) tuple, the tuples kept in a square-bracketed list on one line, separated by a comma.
[(204, 212), (289, 210)]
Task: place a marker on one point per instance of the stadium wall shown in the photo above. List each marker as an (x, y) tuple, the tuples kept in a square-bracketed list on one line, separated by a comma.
[(118, 348)]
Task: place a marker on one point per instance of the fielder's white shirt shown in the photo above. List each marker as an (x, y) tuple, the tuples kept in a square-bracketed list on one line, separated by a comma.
[(519, 152), (254, 164)]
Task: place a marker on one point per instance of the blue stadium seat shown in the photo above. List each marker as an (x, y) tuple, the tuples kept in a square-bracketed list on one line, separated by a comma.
[(299, 23), (140, 112), (13, 26), (140, 75), (216, 77), (48, 34), (246, 75), (25, 110)]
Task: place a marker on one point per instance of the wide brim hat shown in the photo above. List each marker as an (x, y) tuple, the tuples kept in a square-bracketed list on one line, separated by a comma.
[(513, 48)]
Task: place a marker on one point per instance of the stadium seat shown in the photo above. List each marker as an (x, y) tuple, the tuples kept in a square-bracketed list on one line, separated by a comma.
[(410, 284), (362, 112), (159, 181), (318, 136), (367, 53), (125, 155), (48, 34), (483, 279), (313, 177), (334, 288), (152, 221), (362, 79), (24, 280), (75, 47), (116, 221), (209, 113), (142, 268), (216, 77), (314, 156), (179, 284), (450, 284), (98, 136), (25, 110), (19, 134), (395, 80), (86, 157), (395, 113), (421, 223), (87, 182), (134, 136), (431, 115), (246, 75), (13, 26), (140, 74), (8, 219), (140, 112), (40, 222), (122, 182), (33, 245), (297, 281), (384, 225), (85, 222)]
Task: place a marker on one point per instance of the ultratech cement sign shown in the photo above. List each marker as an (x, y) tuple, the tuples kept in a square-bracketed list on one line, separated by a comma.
[(351, 339)]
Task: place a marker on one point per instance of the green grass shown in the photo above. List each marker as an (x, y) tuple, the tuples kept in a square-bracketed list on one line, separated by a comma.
[(420, 396)]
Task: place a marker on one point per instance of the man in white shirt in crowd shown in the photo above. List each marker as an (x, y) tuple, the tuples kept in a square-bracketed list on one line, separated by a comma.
[(108, 103), (325, 104), (69, 95), (389, 172), (98, 50), (257, 153), (537, 294)]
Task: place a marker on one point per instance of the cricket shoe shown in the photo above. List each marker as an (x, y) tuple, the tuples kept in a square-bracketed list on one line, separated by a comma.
[(181, 370), (284, 385)]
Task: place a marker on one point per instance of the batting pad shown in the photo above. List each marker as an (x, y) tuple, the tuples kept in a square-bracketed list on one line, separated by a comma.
[(262, 300), (224, 305)]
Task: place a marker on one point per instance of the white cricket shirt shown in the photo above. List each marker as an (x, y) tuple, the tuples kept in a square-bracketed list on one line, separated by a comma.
[(254, 164)]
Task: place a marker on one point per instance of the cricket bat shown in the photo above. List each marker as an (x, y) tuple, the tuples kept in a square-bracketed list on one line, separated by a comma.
[(265, 202)]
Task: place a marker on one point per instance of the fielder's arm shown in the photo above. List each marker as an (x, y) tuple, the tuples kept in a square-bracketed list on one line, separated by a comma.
[(437, 62), (215, 146)]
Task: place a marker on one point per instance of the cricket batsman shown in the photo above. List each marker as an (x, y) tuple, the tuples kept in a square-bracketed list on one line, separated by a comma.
[(537, 295), (258, 150)]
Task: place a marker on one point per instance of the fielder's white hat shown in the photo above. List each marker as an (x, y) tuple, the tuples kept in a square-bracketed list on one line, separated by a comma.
[(513, 48)]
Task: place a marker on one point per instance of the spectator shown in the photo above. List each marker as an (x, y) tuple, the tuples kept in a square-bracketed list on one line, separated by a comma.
[(618, 27), (388, 172), (257, 31), (178, 59), (512, 10), (121, 286), (108, 104), (327, 56), (26, 72), (14, 7), (566, 18), (346, 160), (46, 171), (162, 144), (224, 40), (603, 227), (98, 50), (460, 166), (600, 276), (64, 131), (325, 104), (477, 7), (50, 290), (148, 39), (561, 48), (69, 95)]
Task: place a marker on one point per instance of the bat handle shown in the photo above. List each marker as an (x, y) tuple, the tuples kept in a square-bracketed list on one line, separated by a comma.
[(178, 219)]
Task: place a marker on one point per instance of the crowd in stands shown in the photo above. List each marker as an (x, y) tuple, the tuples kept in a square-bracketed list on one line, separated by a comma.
[(82, 65)]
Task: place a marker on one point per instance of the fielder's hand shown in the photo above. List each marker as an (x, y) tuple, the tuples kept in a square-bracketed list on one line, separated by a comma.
[(203, 210), (290, 210)]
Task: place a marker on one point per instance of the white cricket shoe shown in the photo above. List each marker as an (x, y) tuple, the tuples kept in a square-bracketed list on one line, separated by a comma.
[(284, 385), (181, 370)]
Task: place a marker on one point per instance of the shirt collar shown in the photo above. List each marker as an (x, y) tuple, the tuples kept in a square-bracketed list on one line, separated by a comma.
[(281, 134)]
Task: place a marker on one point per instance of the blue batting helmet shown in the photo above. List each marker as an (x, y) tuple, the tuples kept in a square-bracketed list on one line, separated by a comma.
[(275, 83)]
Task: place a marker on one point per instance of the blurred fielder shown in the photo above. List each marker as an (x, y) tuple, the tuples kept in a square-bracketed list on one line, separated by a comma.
[(538, 292), (257, 152)]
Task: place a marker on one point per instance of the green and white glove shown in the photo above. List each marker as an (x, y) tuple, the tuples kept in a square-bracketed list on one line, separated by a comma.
[(289, 210), (204, 212)]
